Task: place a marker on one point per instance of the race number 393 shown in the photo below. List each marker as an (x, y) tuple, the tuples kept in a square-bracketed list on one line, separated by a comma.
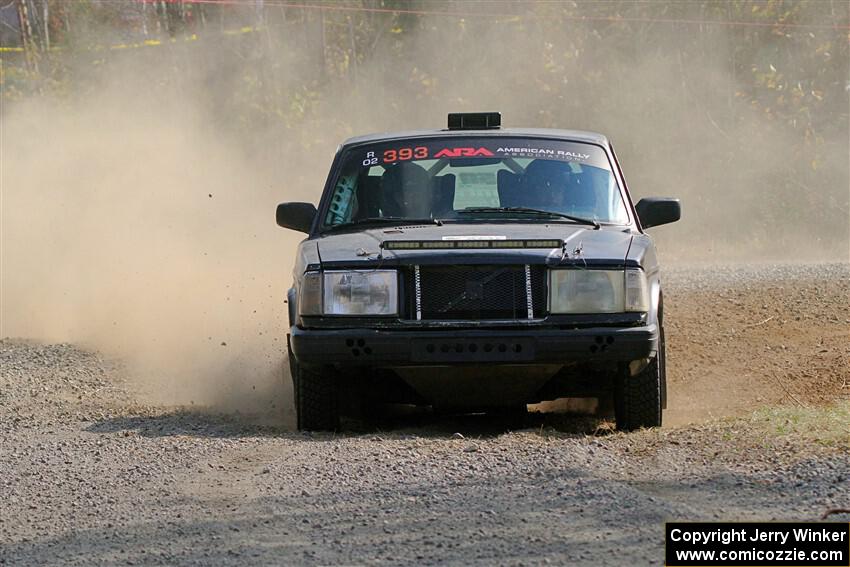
[(762, 544), (404, 154)]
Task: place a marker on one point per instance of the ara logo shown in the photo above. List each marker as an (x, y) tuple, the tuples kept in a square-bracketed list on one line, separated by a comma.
[(463, 152)]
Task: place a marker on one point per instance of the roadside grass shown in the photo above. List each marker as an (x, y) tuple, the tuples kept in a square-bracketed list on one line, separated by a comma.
[(773, 433), (825, 425), (766, 428)]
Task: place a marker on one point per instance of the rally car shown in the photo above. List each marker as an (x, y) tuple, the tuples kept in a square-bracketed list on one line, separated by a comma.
[(473, 269)]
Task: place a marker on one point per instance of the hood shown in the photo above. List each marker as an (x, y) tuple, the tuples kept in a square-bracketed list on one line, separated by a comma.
[(584, 245)]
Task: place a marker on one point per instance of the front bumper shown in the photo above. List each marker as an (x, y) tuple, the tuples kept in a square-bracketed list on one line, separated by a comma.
[(373, 347)]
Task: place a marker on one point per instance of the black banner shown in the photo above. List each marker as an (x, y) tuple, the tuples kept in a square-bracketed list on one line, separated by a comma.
[(762, 544)]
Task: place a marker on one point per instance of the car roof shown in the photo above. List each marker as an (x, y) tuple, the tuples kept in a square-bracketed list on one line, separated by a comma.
[(552, 133)]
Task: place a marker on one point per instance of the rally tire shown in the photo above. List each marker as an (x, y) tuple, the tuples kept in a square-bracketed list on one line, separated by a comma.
[(317, 400), (638, 399), (291, 371)]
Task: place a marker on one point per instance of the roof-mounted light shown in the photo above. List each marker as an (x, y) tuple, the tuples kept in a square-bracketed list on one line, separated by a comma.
[(475, 120)]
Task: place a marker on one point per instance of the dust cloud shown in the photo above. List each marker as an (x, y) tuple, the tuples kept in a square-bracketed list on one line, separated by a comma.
[(137, 210), (139, 231)]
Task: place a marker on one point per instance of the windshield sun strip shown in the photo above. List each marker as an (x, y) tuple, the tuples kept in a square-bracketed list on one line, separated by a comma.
[(345, 151)]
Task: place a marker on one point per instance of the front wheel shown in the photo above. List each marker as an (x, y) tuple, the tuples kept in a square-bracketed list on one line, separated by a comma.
[(316, 398), (638, 399)]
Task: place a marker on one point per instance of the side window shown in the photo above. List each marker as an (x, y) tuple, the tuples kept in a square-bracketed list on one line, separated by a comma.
[(356, 196), (343, 200)]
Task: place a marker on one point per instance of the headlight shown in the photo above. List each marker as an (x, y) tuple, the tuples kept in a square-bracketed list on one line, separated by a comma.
[(361, 292), (598, 291), (350, 292)]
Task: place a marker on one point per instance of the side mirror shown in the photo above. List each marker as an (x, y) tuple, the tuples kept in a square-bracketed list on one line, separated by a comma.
[(654, 211), (297, 216)]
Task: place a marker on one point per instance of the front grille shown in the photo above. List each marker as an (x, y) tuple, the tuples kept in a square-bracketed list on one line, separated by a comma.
[(478, 292)]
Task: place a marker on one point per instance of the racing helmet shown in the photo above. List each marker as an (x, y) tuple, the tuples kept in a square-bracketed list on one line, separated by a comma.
[(406, 189), (582, 199), (545, 183)]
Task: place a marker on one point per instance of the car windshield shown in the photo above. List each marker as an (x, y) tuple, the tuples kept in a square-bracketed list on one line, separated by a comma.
[(465, 179)]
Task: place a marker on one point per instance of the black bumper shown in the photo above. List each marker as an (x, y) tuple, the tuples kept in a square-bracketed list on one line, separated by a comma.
[(371, 347)]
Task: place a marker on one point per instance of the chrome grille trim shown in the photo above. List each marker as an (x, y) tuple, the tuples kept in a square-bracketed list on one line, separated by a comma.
[(418, 293)]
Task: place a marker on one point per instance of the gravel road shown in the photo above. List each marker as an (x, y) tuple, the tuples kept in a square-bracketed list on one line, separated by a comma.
[(90, 476)]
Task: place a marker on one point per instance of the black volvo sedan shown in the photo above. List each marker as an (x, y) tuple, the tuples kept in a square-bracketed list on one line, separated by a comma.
[(476, 268)]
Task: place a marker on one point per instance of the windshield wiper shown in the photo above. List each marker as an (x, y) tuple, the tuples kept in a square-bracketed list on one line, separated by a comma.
[(529, 211), (398, 221)]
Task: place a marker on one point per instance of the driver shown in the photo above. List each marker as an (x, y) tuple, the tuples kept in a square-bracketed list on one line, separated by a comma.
[(583, 198), (406, 190), (546, 183)]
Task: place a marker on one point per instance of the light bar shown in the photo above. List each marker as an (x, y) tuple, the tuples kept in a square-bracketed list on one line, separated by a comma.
[(469, 244), (475, 120)]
